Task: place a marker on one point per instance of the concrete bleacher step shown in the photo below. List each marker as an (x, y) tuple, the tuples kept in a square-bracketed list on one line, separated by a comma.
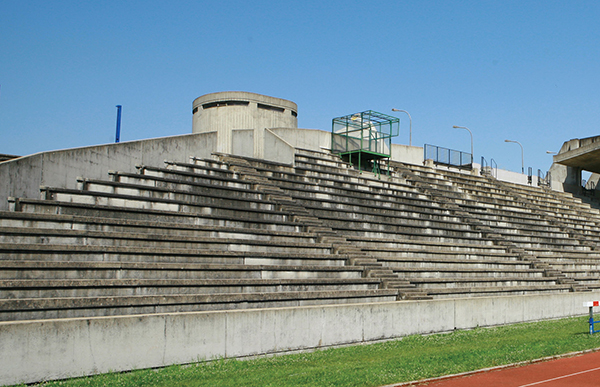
[(36, 269), (270, 220), (141, 240), (137, 254), (72, 307), (491, 291), (35, 288), (234, 232)]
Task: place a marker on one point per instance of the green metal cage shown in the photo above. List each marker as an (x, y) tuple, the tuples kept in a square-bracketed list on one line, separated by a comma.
[(364, 139)]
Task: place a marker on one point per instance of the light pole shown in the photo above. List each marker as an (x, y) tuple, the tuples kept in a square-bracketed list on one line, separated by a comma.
[(522, 163), (409, 123), (464, 127)]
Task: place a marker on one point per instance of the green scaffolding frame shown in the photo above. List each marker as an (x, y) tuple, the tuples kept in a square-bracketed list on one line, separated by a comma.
[(364, 139)]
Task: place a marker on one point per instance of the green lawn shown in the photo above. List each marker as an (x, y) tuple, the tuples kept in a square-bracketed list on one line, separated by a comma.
[(413, 357)]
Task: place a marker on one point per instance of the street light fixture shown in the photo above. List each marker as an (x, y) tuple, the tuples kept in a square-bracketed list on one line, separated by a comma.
[(522, 163), (410, 125), (464, 127)]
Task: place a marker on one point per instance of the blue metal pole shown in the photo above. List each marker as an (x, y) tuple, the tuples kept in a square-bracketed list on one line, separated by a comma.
[(118, 136)]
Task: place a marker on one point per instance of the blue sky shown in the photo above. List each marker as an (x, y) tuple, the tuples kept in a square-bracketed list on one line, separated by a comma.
[(522, 70)]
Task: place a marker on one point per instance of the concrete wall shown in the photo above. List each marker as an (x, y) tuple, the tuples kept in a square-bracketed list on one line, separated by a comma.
[(242, 142), (313, 139), (32, 351), (407, 154), (277, 149), (514, 177), (22, 177), (230, 110)]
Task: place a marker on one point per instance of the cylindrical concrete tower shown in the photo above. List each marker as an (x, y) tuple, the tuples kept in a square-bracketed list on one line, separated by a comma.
[(230, 110)]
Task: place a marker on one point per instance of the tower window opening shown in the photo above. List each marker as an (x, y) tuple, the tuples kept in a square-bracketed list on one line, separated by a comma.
[(224, 103), (269, 107)]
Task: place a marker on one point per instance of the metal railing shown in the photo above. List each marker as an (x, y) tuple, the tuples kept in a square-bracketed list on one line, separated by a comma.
[(544, 180), (490, 169), (447, 156)]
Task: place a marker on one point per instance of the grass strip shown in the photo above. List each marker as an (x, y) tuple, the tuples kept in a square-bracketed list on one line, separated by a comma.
[(411, 358)]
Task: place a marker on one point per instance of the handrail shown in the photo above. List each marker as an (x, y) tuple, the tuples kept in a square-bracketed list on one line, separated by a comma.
[(544, 180), (446, 156)]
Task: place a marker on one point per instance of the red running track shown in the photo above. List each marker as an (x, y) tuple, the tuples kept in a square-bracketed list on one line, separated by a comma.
[(580, 371)]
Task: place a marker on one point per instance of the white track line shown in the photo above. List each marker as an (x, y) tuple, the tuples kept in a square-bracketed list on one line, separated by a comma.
[(560, 377)]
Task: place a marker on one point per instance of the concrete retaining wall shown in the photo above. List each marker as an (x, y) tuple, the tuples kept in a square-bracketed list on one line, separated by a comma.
[(22, 177), (43, 350)]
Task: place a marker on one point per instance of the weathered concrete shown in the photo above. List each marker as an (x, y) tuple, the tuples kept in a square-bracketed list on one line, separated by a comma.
[(407, 154), (23, 176), (229, 110), (580, 153), (52, 349)]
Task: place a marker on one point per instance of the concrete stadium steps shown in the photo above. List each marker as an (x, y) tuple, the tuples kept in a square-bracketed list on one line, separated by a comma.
[(440, 271), (231, 232), (492, 291), (560, 205), (530, 236), (508, 222), (362, 187), (433, 284), (73, 307), (537, 236), (443, 262), (194, 174), (272, 220), (73, 253), (342, 208), (35, 269), (480, 193), (306, 160), (192, 236), (288, 245), (124, 180), (433, 253), (374, 245), (139, 196), (178, 226), (483, 190), (84, 288), (59, 287)]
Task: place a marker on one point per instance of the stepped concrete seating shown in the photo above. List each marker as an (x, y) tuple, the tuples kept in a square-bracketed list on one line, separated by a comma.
[(506, 216), (172, 239), (421, 240), (230, 232), (558, 209), (548, 211)]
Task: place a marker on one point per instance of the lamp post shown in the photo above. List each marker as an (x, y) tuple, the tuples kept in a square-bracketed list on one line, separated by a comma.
[(464, 127), (409, 123), (522, 163)]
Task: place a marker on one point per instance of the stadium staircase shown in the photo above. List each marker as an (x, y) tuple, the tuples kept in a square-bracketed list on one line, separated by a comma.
[(235, 233)]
